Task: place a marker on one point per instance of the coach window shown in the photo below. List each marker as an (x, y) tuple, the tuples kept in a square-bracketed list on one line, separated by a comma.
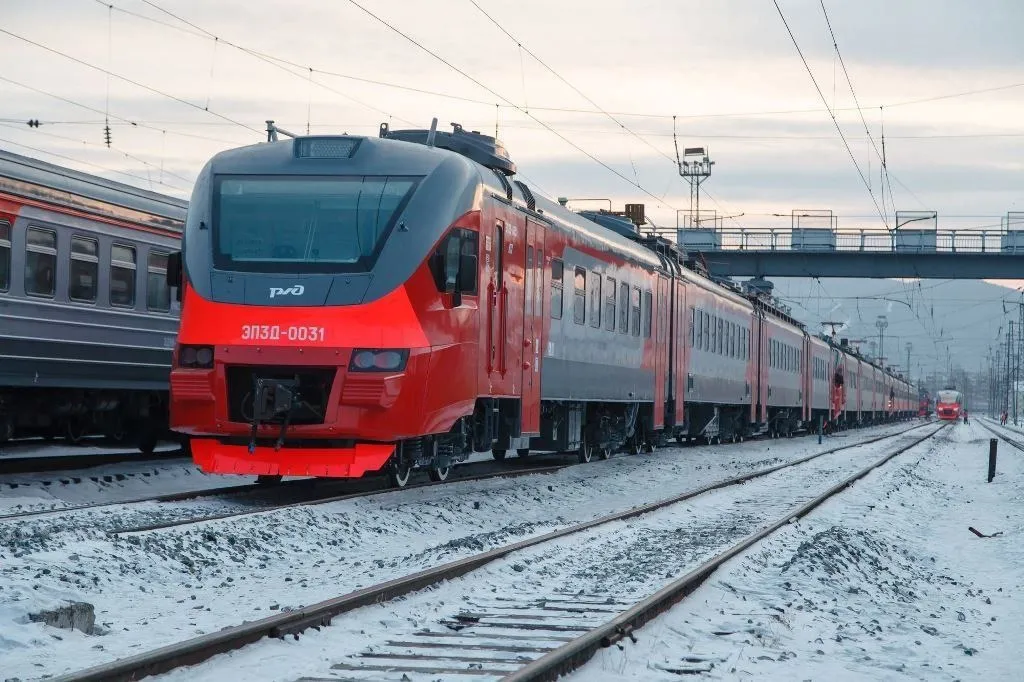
[(697, 329), (158, 295), (706, 335), (635, 311), (5, 255), (40, 262), (85, 269), (645, 315), (579, 302), (595, 300), (122, 275), (556, 288), (623, 308), (609, 304)]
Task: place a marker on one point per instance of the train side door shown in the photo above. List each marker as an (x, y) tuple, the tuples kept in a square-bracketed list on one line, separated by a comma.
[(661, 322), (533, 328)]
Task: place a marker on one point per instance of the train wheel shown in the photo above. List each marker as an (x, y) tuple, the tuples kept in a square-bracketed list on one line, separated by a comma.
[(634, 445), (268, 479), (499, 454), (604, 453), (399, 474), (147, 442), (586, 451), (523, 452), (73, 432), (439, 474), (649, 447)]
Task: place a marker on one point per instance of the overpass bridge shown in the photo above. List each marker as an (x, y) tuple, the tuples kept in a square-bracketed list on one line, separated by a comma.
[(996, 253)]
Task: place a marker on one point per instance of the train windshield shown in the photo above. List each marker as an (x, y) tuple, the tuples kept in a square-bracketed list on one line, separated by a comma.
[(303, 223), (948, 396)]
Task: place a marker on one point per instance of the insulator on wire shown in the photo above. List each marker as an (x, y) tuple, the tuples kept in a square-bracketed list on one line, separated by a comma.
[(106, 134), (33, 123)]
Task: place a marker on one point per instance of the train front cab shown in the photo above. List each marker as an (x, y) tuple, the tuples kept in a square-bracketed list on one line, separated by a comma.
[(289, 366)]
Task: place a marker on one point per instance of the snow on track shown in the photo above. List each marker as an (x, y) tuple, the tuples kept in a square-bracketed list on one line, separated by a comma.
[(884, 582), (601, 571), (151, 589)]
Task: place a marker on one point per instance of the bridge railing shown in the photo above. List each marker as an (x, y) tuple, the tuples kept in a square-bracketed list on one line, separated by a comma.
[(878, 241)]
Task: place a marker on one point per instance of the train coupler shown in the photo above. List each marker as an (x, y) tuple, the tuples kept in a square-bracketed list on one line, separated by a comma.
[(274, 400)]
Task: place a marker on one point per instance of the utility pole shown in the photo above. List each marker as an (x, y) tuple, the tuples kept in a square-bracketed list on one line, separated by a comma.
[(910, 347), (881, 323)]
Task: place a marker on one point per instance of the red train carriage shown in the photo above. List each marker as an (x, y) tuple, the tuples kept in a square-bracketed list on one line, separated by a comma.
[(948, 404), (357, 303)]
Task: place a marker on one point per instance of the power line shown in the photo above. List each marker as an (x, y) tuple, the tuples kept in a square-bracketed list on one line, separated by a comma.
[(73, 159), (126, 79), (273, 62), (867, 131), (559, 76), (831, 113), (123, 120), (509, 102), (148, 164)]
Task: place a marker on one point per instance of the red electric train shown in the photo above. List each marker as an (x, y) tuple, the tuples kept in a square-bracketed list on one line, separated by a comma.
[(352, 304), (949, 404)]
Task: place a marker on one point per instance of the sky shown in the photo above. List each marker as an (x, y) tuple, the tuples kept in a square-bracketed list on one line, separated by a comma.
[(583, 94)]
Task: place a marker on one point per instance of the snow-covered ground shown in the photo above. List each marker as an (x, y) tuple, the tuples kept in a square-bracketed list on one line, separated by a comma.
[(151, 589), (884, 582), (614, 565)]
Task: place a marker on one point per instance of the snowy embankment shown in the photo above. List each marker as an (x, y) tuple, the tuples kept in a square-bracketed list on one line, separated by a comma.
[(884, 582), (155, 588)]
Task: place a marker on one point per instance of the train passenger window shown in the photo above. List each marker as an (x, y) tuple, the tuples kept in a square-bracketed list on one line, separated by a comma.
[(693, 324), (645, 314), (609, 304), (595, 300), (579, 303), (40, 262), (122, 275), (721, 336), (697, 329), (714, 334), (556, 288), (158, 294), (5, 255), (85, 269), (706, 340), (635, 311), (732, 339), (623, 308)]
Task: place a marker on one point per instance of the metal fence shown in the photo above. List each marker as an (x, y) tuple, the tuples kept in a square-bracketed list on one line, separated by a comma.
[(901, 241)]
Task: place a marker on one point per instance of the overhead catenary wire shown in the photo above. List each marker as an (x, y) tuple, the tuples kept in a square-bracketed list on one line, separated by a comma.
[(125, 79), (508, 101), (275, 64), (831, 113)]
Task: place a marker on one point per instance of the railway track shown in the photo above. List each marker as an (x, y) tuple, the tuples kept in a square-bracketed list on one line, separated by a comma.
[(525, 633), (1001, 432), (307, 492), (68, 462), (462, 473)]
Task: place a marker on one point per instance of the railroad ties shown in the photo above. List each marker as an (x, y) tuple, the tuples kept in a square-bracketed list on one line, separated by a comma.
[(488, 640)]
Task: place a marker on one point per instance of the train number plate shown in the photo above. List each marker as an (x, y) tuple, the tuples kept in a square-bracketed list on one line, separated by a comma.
[(275, 332)]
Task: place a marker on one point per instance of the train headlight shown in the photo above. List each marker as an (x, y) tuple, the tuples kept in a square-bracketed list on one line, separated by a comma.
[(195, 357), (378, 360)]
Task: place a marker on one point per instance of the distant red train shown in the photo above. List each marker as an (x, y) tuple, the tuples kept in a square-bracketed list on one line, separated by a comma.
[(949, 404), (353, 304)]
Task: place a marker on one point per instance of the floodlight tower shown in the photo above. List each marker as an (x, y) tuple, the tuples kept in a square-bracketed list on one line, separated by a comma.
[(695, 167)]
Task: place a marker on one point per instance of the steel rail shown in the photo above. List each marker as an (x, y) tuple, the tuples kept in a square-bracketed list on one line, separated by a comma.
[(50, 463), (574, 654), (204, 647)]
